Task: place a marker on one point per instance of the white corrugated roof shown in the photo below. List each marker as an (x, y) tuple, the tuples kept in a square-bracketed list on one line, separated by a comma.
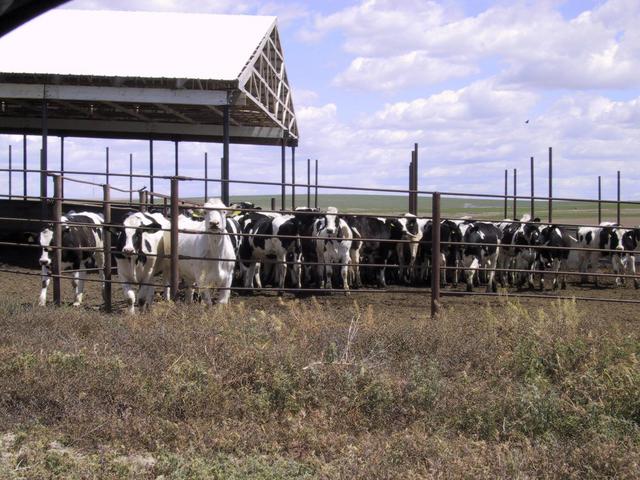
[(134, 44)]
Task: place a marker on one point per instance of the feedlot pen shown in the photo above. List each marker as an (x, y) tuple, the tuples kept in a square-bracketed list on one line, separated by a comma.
[(19, 277)]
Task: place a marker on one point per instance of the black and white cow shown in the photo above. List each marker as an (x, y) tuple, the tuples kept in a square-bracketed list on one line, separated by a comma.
[(142, 250), (629, 242), (524, 257), (553, 259), (608, 238), (449, 252), (380, 239), (274, 237), (82, 249), (483, 251), (506, 257), (407, 250), (333, 245)]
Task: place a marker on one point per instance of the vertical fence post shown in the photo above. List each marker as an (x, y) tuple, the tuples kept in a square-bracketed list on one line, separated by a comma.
[(142, 197), (435, 255), (293, 178), (618, 201), (533, 203), (24, 166), (416, 178), (57, 238), (175, 212), (273, 203), (550, 185), (10, 172), (106, 167), (411, 184), (506, 191), (106, 236), (515, 193), (131, 179), (308, 182), (599, 199), (316, 195), (206, 176)]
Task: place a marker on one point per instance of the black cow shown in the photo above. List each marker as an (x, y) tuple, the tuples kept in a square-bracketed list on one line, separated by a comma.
[(483, 251), (551, 259)]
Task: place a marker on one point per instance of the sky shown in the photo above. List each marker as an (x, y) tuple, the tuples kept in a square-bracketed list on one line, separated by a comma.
[(481, 86)]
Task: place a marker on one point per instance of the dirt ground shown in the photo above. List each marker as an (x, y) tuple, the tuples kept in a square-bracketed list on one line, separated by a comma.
[(397, 300)]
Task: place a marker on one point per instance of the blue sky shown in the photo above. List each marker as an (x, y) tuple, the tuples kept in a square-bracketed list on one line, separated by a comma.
[(372, 77)]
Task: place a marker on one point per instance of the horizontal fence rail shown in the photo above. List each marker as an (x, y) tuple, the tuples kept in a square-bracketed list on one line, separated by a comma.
[(426, 271)]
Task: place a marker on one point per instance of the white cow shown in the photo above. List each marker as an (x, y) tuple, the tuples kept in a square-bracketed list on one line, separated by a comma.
[(82, 249), (209, 251), (333, 245), (143, 247)]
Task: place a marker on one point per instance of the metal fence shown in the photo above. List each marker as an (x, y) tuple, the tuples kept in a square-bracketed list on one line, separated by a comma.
[(172, 206)]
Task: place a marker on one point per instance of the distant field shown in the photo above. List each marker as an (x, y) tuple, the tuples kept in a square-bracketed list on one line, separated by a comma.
[(570, 212)]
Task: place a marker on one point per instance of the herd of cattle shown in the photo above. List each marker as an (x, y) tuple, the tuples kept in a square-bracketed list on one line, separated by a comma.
[(241, 246)]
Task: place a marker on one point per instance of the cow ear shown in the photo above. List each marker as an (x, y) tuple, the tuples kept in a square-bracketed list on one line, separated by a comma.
[(152, 228), (536, 220)]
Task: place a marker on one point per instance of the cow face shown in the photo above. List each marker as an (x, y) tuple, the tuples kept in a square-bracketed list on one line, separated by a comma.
[(46, 237), (629, 240), (130, 238), (331, 221), (215, 217)]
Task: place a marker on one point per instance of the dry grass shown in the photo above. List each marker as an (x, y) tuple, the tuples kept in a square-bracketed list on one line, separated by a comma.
[(305, 392)]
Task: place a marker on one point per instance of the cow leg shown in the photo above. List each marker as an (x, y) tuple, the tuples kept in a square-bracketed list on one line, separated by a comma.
[(443, 271), (471, 264), (78, 283), (281, 272), (490, 265), (617, 268), (45, 279), (555, 266), (344, 271), (129, 294), (563, 267), (205, 293)]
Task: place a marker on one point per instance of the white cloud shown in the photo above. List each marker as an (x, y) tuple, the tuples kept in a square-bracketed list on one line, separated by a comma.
[(531, 44)]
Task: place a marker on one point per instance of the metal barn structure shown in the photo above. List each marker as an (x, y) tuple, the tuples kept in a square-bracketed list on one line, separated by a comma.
[(147, 76)]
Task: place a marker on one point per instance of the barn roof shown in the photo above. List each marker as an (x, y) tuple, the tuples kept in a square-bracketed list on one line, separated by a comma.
[(147, 75)]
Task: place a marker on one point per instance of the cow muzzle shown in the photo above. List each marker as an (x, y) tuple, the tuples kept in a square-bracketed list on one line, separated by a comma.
[(45, 262)]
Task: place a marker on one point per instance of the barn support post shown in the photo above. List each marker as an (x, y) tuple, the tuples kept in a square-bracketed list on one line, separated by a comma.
[(175, 212), (506, 191), (316, 194), (62, 161), (151, 169), (533, 206), (435, 255), (24, 166), (10, 172), (599, 199), (176, 159), (283, 152), (106, 236), (308, 182), (106, 167), (618, 201), (550, 185), (131, 179), (293, 178), (515, 193), (206, 177), (224, 187), (57, 238), (43, 153)]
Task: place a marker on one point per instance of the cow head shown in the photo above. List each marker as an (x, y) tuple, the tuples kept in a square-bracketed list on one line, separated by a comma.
[(135, 226), (610, 238), (46, 239), (304, 218), (215, 217), (629, 239), (332, 221)]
